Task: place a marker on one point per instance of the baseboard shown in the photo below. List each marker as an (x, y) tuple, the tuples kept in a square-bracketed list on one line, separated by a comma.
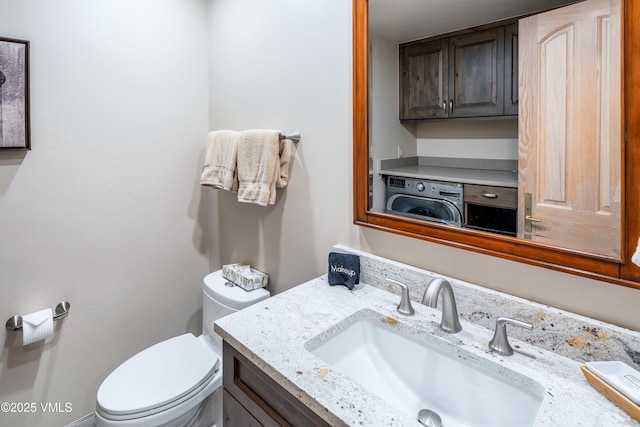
[(88, 420)]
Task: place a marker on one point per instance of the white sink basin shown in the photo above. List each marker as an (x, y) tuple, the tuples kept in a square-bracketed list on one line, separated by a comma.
[(412, 370)]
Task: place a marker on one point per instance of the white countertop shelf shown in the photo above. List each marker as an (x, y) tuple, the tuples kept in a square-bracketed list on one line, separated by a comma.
[(463, 176), (497, 173)]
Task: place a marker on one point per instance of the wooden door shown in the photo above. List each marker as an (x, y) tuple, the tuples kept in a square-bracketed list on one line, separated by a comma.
[(570, 127), (424, 81), (476, 73)]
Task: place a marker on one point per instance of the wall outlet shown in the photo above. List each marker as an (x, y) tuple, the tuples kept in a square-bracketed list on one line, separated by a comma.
[(400, 151)]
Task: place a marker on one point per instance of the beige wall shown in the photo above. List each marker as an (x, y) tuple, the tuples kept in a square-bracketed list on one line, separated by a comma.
[(285, 65), (105, 211), (388, 137), (475, 139)]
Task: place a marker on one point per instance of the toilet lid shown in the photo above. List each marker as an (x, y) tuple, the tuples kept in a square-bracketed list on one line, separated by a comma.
[(158, 376)]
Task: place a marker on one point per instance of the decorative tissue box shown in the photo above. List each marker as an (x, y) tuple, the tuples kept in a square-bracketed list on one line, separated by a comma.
[(244, 276)]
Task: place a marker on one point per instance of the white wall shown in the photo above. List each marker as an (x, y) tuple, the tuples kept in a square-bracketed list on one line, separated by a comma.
[(389, 138), (105, 210), (471, 139), (287, 65)]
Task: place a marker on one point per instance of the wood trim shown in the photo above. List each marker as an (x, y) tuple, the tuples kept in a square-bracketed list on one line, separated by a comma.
[(631, 131), (471, 30), (360, 109), (621, 272), (501, 246)]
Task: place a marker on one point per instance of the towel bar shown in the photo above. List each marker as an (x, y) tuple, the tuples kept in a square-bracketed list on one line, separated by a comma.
[(294, 136), (14, 324)]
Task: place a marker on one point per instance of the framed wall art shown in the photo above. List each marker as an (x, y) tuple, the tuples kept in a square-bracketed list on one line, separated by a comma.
[(14, 95)]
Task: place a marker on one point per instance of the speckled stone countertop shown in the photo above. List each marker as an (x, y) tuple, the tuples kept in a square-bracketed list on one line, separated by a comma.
[(273, 335), (568, 334)]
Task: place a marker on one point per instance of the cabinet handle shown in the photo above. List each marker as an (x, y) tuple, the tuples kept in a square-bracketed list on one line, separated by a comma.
[(489, 195), (444, 106), (451, 106)]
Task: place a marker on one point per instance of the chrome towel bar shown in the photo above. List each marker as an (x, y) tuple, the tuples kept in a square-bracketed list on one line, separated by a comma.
[(294, 136)]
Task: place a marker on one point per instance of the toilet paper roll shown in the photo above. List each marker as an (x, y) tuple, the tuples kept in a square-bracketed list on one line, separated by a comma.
[(37, 326)]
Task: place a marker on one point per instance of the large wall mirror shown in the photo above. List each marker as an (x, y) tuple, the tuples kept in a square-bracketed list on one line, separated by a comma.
[(505, 128)]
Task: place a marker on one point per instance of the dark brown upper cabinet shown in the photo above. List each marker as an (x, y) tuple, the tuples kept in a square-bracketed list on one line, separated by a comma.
[(471, 73)]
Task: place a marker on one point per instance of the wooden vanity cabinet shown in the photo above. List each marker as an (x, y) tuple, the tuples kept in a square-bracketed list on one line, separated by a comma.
[(252, 398), (464, 74)]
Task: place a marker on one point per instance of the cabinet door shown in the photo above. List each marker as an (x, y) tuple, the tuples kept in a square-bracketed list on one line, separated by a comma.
[(257, 398), (570, 127), (424, 80), (511, 70), (235, 415), (476, 74)]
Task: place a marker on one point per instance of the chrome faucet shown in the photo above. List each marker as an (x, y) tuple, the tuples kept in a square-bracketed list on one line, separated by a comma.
[(500, 343), (449, 322), (405, 306)]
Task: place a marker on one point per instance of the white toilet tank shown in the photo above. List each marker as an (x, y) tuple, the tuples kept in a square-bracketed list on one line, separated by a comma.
[(220, 298), (141, 392)]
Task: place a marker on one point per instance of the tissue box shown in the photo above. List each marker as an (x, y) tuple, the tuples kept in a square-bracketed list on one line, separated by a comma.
[(244, 276)]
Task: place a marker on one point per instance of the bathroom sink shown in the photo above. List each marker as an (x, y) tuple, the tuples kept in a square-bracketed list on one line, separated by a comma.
[(412, 370)]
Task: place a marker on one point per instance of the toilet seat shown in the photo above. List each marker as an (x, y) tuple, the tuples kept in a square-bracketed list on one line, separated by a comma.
[(158, 378)]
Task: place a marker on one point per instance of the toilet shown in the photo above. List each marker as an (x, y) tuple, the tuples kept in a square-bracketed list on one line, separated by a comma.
[(177, 382)]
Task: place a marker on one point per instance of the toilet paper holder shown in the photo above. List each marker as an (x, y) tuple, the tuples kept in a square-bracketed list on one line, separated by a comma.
[(14, 324)]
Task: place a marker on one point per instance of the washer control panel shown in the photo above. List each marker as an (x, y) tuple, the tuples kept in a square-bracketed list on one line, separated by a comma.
[(452, 191)]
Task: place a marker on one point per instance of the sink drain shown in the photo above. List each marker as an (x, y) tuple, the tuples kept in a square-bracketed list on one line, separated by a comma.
[(429, 418)]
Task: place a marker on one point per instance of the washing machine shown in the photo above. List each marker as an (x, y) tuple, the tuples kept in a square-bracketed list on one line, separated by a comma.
[(429, 200)]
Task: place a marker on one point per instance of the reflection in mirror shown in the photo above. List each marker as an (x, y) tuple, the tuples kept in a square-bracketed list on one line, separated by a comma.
[(512, 128), (436, 126)]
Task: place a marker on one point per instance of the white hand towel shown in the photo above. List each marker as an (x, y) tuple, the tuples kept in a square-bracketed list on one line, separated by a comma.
[(263, 164), (635, 258), (220, 161), (285, 157)]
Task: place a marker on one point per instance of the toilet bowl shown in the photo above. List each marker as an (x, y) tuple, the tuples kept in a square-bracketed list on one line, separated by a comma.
[(176, 382)]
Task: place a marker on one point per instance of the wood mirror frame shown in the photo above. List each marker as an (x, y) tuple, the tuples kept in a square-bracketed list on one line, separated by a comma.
[(621, 272)]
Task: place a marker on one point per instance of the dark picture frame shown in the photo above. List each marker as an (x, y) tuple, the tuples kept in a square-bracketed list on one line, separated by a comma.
[(14, 95)]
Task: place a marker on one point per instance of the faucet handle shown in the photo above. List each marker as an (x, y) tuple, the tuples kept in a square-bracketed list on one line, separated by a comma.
[(405, 306), (500, 343)]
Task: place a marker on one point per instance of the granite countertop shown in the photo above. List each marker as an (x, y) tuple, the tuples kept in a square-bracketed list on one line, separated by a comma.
[(273, 333)]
